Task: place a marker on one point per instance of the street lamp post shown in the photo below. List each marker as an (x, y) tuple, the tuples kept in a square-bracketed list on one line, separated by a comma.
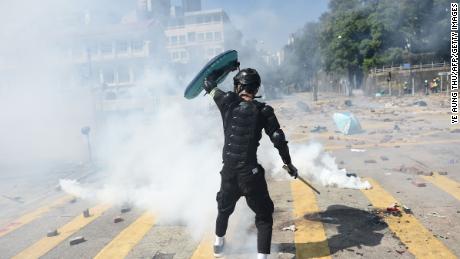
[(85, 131)]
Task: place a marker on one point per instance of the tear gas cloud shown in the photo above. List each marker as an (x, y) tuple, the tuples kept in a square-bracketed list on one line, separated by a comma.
[(40, 119), (166, 161)]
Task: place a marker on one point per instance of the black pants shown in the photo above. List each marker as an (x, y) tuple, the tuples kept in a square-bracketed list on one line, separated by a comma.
[(249, 182)]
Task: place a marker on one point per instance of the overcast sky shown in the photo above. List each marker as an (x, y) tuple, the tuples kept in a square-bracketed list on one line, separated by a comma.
[(270, 21)]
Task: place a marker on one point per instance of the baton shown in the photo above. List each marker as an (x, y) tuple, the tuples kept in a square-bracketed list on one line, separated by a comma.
[(285, 167)]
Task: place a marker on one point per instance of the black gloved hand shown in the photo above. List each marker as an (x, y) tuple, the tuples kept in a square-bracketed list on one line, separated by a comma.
[(292, 170), (209, 84)]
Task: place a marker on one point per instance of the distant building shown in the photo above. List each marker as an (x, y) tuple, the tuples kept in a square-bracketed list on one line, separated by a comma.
[(114, 58), (191, 5), (274, 59), (200, 35)]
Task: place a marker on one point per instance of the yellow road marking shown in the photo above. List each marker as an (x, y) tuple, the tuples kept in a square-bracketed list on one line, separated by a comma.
[(310, 238), (45, 244), (204, 249), (450, 186), (31, 216), (122, 244), (412, 233)]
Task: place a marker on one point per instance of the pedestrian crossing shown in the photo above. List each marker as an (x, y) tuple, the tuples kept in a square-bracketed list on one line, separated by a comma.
[(45, 244), (309, 240), (122, 244)]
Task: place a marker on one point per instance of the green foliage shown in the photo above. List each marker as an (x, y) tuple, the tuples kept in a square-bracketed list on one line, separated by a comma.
[(357, 35)]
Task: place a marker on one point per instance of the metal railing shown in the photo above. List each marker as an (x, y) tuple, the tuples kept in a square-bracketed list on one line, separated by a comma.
[(410, 67)]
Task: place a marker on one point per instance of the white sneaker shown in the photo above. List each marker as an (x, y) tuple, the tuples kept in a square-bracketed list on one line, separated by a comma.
[(262, 256), (219, 247)]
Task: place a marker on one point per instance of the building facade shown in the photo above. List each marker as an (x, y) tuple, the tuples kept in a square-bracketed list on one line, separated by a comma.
[(200, 35)]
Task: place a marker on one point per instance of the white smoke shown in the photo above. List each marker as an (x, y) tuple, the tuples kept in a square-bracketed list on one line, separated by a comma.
[(169, 162), (314, 164)]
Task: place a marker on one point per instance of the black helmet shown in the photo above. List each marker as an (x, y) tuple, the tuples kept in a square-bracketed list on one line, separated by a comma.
[(249, 80)]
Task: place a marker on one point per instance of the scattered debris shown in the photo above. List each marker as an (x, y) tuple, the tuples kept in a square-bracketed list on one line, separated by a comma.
[(289, 200), (410, 170), (442, 173), (384, 158), (347, 123), (370, 161), (118, 219), (348, 103), (427, 173), (160, 255), (406, 209), (73, 200), (291, 228), (435, 214), (331, 137), (400, 251), (318, 129), (77, 240), (386, 138), (372, 110), (303, 106), (420, 103), (455, 131), (418, 184), (86, 213), (52, 233), (125, 209), (357, 150), (394, 210), (387, 120), (351, 174), (396, 127)]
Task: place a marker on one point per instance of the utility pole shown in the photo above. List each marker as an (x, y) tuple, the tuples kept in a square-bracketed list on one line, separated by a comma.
[(315, 88), (85, 131)]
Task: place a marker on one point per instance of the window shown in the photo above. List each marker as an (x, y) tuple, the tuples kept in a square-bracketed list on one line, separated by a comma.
[(106, 48), (175, 55), (123, 75), (183, 55), (182, 39), (208, 19), (217, 35), (89, 50), (209, 35), (199, 19), (137, 46), (216, 17), (108, 76), (122, 46), (210, 52), (191, 36), (200, 36), (173, 40)]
